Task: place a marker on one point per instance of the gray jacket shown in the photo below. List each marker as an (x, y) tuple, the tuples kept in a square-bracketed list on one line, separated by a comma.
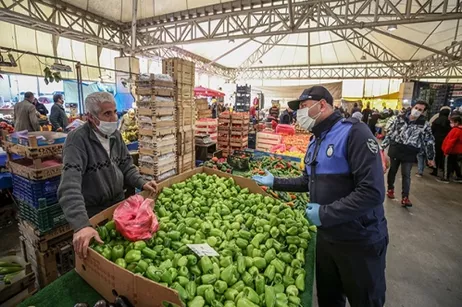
[(25, 117), (91, 181), (58, 117)]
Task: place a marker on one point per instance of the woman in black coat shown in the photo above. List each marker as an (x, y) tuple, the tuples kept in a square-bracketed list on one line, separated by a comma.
[(440, 128)]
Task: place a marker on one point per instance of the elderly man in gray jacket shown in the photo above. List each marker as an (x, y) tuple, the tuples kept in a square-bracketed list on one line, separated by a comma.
[(96, 165)]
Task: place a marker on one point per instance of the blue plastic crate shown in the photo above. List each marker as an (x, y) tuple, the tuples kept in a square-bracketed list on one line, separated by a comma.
[(31, 191)]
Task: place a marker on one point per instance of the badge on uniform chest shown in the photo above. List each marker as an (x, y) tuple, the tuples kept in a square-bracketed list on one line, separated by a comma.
[(330, 150)]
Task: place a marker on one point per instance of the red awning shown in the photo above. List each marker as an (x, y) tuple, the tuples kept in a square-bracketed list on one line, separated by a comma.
[(207, 92)]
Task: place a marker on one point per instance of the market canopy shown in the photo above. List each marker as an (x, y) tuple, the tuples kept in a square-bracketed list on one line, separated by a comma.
[(207, 92)]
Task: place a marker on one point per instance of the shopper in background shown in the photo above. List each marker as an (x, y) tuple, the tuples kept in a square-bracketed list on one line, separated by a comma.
[(58, 117), (452, 148), (434, 117), (440, 129), (373, 121), (356, 108), (96, 164), (367, 112), (286, 117), (357, 115), (343, 173), (25, 114), (408, 134), (40, 107)]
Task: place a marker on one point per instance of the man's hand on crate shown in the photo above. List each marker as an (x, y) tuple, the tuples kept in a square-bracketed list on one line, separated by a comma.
[(82, 239), (150, 186)]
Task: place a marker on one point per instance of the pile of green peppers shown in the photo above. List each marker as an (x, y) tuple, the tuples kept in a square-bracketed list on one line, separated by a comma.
[(261, 242)]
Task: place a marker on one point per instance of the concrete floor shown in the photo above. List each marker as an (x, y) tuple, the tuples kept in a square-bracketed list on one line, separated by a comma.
[(424, 260)]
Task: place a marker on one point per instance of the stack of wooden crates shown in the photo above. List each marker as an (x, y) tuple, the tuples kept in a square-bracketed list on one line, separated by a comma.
[(46, 238), (202, 108), (233, 132), (157, 119), (183, 74)]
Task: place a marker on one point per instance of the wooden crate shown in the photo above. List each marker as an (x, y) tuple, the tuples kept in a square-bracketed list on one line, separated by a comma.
[(50, 264), (184, 93), (185, 115), (160, 150), (154, 101), (36, 152), (34, 169), (19, 290), (186, 142), (239, 142), (43, 242), (204, 114), (201, 104), (155, 111), (158, 170), (182, 71), (157, 91), (159, 131)]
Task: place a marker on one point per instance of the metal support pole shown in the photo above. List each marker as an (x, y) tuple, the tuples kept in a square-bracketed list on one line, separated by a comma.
[(134, 14)]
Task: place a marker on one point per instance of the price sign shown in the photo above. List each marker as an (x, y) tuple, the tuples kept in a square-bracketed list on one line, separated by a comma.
[(203, 250)]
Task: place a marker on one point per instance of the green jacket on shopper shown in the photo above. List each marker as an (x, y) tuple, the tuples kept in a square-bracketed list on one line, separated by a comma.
[(58, 117), (92, 180)]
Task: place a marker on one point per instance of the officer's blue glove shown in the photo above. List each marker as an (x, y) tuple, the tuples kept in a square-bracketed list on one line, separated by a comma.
[(266, 180), (312, 212)]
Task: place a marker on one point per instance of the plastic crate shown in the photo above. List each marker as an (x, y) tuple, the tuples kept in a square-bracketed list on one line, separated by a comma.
[(45, 218), (132, 146), (32, 191)]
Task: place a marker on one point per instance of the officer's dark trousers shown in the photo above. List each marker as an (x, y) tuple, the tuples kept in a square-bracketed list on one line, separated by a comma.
[(353, 271)]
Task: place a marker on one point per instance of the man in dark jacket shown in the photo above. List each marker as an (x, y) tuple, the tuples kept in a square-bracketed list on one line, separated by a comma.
[(58, 117), (356, 108), (343, 173), (407, 135), (40, 107), (367, 112), (440, 129), (286, 117)]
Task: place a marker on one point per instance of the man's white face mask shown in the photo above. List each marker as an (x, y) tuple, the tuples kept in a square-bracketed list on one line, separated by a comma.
[(307, 122)]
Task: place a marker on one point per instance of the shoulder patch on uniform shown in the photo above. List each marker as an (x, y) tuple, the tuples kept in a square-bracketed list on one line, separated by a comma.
[(372, 145), (330, 150)]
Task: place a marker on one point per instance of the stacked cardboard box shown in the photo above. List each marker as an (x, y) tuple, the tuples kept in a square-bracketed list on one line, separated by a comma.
[(157, 119), (183, 75), (202, 108)]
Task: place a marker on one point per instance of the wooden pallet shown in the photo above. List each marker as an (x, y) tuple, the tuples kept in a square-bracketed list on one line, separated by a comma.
[(156, 111), (155, 102), (156, 91), (184, 93), (159, 131), (43, 242)]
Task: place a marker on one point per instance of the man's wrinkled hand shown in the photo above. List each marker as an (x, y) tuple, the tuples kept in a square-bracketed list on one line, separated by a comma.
[(150, 186), (82, 239)]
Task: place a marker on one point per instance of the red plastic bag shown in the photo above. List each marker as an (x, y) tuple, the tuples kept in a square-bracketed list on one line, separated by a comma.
[(135, 219), (385, 161)]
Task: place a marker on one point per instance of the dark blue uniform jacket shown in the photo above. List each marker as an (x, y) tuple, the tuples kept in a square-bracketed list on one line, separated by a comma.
[(343, 173)]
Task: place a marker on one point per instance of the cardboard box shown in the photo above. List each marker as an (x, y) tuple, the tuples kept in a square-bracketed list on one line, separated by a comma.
[(104, 276)]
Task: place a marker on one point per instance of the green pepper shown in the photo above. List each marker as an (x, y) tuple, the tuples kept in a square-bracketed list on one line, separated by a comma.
[(110, 225), (206, 264), (300, 282), (259, 262), (279, 288), (239, 286), (295, 300), (113, 233), (191, 287), (253, 271), (133, 256), (139, 245), (270, 296), (209, 295), (147, 252), (257, 240), (270, 255), (102, 232), (260, 284), (288, 280), (198, 301), (141, 266), (174, 235), (270, 272), (240, 264), (167, 277), (201, 289), (216, 270), (251, 295), (131, 267), (107, 252), (229, 304), (195, 270), (300, 256), (274, 232), (292, 291), (231, 294), (221, 287), (98, 248), (244, 302), (296, 264), (248, 262), (242, 243), (289, 271), (227, 274), (281, 300), (121, 262), (153, 273), (165, 265), (244, 234), (183, 271), (181, 291), (208, 279), (247, 279), (117, 252), (292, 231)]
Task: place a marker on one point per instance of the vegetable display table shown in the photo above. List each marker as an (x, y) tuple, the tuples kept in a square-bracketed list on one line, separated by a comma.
[(67, 290)]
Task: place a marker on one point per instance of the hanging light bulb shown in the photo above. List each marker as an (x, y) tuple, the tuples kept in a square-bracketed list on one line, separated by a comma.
[(363, 57), (392, 28)]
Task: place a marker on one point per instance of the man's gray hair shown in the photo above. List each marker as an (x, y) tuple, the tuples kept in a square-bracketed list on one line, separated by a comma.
[(94, 100)]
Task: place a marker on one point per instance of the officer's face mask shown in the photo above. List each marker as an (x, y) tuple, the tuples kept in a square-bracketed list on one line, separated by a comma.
[(305, 120)]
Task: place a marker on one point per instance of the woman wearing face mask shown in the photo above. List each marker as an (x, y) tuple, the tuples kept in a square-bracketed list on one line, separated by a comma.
[(344, 175), (96, 165), (407, 136)]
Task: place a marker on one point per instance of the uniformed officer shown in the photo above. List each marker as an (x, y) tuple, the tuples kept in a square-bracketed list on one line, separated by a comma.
[(344, 176)]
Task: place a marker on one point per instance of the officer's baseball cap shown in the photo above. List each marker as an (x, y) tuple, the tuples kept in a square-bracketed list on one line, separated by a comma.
[(313, 93)]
